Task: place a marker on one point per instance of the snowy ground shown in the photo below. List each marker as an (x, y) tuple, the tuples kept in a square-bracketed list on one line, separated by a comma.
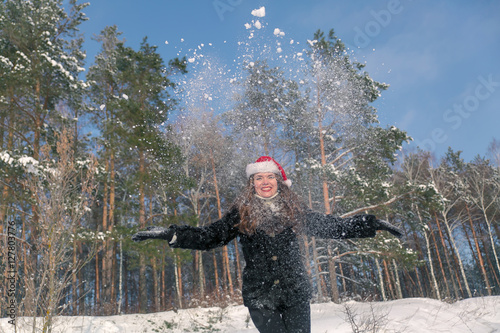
[(407, 315)]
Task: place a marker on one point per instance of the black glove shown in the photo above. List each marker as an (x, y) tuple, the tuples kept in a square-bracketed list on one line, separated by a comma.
[(154, 233), (384, 225)]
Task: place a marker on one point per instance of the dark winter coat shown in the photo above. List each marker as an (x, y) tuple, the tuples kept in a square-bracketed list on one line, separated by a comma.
[(274, 275)]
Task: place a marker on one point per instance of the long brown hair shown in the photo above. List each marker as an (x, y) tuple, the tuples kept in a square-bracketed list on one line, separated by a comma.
[(245, 203)]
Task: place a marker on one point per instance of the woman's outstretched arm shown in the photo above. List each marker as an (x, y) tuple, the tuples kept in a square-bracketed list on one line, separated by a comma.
[(217, 234), (357, 226)]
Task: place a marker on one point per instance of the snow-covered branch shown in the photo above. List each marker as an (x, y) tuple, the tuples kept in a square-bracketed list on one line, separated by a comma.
[(363, 209), (342, 155)]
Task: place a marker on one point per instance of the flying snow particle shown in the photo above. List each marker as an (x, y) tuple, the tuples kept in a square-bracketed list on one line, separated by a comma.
[(166, 42), (182, 39), (261, 12), (279, 50), (102, 107), (257, 24), (251, 64), (291, 42), (125, 96), (248, 25), (191, 60), (278, 32)]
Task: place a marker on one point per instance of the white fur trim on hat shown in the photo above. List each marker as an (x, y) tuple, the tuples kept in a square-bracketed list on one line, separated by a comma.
[(266, 166)]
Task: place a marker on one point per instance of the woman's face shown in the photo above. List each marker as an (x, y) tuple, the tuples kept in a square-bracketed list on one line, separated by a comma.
[(266, 184)]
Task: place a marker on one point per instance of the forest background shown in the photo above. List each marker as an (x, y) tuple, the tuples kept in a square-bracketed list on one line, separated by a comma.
[(71, 198)]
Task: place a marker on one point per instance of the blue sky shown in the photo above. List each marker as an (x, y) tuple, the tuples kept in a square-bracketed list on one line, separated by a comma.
[(439, 57)]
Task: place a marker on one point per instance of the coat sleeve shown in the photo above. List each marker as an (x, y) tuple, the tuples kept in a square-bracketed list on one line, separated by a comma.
[(217, 234), (329, 226)]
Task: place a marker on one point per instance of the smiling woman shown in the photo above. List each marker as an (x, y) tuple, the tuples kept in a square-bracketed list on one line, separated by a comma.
[(265, 184), (264, 172), (268, 218)]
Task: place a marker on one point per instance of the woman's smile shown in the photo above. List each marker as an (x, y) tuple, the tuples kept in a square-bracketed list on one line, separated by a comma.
[(266, 184)]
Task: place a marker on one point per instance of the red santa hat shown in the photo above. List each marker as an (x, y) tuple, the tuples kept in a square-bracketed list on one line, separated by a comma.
[(267, 164)]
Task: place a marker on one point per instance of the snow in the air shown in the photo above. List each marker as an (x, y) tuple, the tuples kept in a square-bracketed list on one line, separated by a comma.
[(261, 12), (278, 32)]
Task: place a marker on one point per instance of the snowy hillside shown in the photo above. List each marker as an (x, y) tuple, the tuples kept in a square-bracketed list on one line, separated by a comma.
[(408, 315)]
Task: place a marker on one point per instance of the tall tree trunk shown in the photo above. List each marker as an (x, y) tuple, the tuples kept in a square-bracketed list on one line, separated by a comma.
[(399, 292), (97, 286), (454, 269), (126, 291), (225, 254), (316, 268), (199, 258), (492, 241), (81, 285), (163, 288), (420, 253), (457, 253), (201, 276), (74, 281), (333, 277), (478, 251), (111, 250), (104, 229), (381, 280), (143, 298), (447, 256), (388, 278), (178, 275), (216, 275), (178, 279), (443, 274), (487, 256), (156, 290), (6, 186), (431, 265), (120, 279), (326, 196), (344, 284)]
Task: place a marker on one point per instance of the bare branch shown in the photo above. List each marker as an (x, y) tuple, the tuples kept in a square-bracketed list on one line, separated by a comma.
[(387, 203)]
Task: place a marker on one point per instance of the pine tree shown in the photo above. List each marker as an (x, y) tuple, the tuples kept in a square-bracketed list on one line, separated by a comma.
[(144, 104), (349, 157), (40, 94), (104, 89)]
